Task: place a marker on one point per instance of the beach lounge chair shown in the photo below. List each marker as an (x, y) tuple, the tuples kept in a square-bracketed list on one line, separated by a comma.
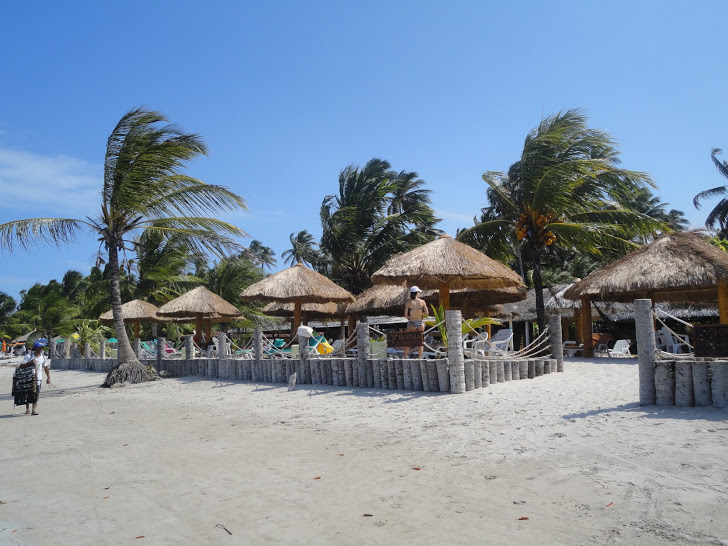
[(620, 349), (501, 342), (571, 348)]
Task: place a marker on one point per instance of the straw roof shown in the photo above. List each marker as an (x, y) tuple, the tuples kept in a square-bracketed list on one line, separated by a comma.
[(296, 283), (679, 267), (448, 261), (390, 299), (133, 311), (213, 317), (198, 302), (311, 310)]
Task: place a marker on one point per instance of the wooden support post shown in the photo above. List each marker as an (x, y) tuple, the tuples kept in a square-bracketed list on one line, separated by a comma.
[(189, 347), (486, 373), (362, 352), (478, 374), (456, 359), (701, 384), (469, 375), (493, 371), (577, 327), (586, 327), (507, 374), (665, 382), (515, 370), (500, 371), (684, 394), (719, 383), (444, 291), (556, 339), (723, 302), (161, 344), (645, 330)]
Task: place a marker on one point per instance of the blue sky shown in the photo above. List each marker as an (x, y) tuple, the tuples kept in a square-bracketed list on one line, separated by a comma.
[(286, 94)]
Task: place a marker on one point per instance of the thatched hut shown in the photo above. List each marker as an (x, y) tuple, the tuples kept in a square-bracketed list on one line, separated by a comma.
[(136, 312), (308, 310), (677, 267), (202, 306), (297, 285), (446, 264)]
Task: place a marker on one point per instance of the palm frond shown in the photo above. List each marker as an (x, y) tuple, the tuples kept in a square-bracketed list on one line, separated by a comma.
[(39, 230)]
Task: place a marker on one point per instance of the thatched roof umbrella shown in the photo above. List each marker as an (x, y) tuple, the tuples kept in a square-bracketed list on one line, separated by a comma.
[(135, 311), (447, 264), (678, 267), (299, 285), (201, 304)]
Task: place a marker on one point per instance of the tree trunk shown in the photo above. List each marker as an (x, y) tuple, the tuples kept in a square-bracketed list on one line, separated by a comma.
[(538, 288), (129, 369)]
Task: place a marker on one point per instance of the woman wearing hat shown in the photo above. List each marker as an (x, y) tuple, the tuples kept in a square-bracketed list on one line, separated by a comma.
[(415, 310), (40, 363)]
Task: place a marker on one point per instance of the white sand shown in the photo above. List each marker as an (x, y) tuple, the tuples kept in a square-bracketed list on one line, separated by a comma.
[(169, 460)]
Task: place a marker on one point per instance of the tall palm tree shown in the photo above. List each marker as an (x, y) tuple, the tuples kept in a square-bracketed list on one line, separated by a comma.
[(302, 249), (262, 255), (376, 214), (563, 191), (143, 189), (719, 215), (643, 200)]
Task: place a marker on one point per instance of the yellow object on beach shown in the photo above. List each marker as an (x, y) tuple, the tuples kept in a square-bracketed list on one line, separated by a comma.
[(324, 348)]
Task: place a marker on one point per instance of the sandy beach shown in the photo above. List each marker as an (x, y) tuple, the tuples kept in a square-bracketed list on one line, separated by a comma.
[(198, 461)]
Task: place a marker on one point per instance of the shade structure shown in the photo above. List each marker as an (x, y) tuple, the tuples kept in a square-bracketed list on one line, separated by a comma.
[(390, 299), (678, 267), (199, 305), (135, 312), (446, 264), (298, 285)]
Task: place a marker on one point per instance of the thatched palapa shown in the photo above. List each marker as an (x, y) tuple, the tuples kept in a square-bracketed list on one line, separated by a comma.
[(678, 267), (201, 304), (297, 284), (135, 311), (446, 264), (309, 310)]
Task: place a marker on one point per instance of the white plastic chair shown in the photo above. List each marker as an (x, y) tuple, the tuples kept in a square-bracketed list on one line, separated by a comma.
[(501, 342), (620, 349)]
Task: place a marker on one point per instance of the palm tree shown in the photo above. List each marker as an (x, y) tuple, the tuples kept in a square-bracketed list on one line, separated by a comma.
[(302, 249), (143, 189), (644, 201), (719, 215), (376, 214), (262, 255), (563, 191)]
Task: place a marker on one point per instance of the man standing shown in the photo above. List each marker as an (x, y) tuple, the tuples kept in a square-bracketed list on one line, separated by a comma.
[(415, 310), (40, 363)]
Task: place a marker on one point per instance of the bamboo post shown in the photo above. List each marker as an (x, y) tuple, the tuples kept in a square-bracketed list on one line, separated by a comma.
[(701, 384), (684, 393), (645, 328), (556, 339), (455, 357), (719, 383), (362, 351), (665, 382), (723, 302), (586, 326)]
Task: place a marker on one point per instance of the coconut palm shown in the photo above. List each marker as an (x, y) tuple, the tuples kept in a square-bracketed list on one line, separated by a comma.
[(143, 189), (262, 255), (377, 213), (563, 191), (302, 249), (644, 201), (719, 215)]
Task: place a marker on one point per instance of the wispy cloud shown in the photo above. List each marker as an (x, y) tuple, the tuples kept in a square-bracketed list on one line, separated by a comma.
[(48, 185)]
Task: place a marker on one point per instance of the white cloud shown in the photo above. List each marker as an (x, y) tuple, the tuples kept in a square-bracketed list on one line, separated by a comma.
[(59, 186)]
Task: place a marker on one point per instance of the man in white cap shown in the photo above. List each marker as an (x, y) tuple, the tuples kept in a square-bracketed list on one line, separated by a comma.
[(415, 310)]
